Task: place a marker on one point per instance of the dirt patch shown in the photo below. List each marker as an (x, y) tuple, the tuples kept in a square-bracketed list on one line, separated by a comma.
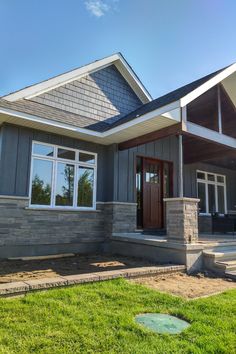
[(17, 270), (187, 286)]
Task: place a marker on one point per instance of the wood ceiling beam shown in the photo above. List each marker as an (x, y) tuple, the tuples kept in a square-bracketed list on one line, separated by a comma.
[(175, 129)]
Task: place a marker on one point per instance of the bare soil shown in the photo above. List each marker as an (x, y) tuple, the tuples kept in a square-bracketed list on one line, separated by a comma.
[(187, 286), (179, 284), (18, 270)]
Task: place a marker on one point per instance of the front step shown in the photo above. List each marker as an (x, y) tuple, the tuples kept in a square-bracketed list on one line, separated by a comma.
[(227, 265), (221, 260), (226, 254), (231, 275)]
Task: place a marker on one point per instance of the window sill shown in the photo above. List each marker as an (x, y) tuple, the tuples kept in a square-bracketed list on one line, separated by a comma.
[(63, 210), (209, 214)]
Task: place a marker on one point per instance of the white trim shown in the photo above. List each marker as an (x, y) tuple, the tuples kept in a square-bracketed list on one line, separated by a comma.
[(138, 120), (207, 85), (55, 160), (215, 183), (71, 210), (76, 74), (209, 134), (49, 122)]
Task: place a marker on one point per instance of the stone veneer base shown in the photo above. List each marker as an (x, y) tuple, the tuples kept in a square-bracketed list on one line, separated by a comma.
[(33, 232)]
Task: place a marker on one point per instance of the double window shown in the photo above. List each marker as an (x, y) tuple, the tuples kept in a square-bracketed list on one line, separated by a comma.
[(62, 177), (211, 189)]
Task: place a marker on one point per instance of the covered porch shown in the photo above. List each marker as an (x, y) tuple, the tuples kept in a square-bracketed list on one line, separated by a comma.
[(194, 202)]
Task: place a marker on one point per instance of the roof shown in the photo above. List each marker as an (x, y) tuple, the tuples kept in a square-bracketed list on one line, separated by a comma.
[(168, 98), (189, 91), (117, 59), (54, 114)]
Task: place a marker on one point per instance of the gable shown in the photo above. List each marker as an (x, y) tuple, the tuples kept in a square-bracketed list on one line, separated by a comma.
[(101, 95)]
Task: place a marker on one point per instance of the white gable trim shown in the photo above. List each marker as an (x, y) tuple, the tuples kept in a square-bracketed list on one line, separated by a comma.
[(101, 135), (76, 74), (207, 85)]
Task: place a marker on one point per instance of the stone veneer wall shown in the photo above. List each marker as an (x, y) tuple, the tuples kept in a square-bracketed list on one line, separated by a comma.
[(28, 232), (182, 220), (120, 217)]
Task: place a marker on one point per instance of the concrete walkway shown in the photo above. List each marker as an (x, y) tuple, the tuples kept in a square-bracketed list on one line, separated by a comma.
[(23, 287)]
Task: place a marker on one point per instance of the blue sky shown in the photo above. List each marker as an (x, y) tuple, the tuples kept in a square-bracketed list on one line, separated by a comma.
[(167, 42)]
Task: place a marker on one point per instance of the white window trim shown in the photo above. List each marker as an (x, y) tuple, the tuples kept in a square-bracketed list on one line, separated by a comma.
[(215, 183), (76, 164)]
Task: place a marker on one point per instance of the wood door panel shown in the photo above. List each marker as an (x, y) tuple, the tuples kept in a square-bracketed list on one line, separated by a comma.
[(152, 194)]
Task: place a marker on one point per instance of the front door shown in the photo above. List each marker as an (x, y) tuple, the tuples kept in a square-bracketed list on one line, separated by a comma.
[(152, 194)]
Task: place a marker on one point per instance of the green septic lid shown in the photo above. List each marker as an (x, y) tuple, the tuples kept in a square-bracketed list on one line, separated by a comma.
[(162, 323)]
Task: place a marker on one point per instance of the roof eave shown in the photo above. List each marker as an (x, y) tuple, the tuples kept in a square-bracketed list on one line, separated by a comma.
[(207, 85), (84, 133)]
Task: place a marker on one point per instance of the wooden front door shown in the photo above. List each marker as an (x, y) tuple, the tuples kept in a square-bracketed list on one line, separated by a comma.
[(152, 194)]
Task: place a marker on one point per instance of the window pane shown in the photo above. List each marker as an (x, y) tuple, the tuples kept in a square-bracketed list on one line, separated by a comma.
[(210, 177), (200, 175), (85, 187), (202, 197), (211, 198), (167, 180), (66, 154), (43, 150), (41, 182), (220, 179), (64, 184), (139, 191), (221, 199), (88, 158)]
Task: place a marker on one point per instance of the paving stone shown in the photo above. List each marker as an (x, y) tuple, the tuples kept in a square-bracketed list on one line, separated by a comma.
[(81, 278), (13, 288), (46, 283)]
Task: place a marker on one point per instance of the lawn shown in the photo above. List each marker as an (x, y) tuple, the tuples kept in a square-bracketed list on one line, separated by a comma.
[(99, 318)]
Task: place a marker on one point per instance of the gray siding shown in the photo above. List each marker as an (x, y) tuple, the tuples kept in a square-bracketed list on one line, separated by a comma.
[(190, 181), (101, 95), (16, 158), (124, 162)]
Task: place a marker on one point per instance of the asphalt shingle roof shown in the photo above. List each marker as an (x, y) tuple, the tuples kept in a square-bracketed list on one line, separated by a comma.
[(166, 99), (58, 115), (55, 114)]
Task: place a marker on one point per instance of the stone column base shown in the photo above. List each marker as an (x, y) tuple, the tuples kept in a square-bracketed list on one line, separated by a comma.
[(182, 220)]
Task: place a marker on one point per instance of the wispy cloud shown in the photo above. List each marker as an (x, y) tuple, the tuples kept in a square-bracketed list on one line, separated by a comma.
[(99, 8)]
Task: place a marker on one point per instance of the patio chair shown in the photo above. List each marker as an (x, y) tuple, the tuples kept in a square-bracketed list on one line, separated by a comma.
[(223, 223)]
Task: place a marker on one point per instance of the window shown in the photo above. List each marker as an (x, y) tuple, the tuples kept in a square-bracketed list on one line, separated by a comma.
[(211, 192), (62, 177)]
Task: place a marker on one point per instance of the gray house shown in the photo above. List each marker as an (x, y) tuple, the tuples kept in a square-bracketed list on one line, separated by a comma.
[(89, 162)]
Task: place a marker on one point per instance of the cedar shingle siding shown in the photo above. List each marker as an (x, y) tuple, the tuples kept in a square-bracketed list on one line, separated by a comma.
[(101, 95)]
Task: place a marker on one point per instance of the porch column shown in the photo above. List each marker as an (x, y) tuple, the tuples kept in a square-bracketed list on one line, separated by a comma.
[(181, 180), (182, 220)]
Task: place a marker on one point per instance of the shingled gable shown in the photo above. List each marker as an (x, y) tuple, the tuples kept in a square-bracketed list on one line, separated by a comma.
[(116, 60), (146, 117)]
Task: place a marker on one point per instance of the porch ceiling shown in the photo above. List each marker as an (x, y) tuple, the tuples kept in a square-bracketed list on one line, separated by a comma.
[(198, 150)]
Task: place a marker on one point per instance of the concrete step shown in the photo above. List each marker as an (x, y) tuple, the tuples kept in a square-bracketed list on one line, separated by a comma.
[(221, 254), (227, 265), (220, 260), (231, 275)]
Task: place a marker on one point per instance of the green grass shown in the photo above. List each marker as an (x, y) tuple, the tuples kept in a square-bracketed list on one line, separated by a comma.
[(99, 318)]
